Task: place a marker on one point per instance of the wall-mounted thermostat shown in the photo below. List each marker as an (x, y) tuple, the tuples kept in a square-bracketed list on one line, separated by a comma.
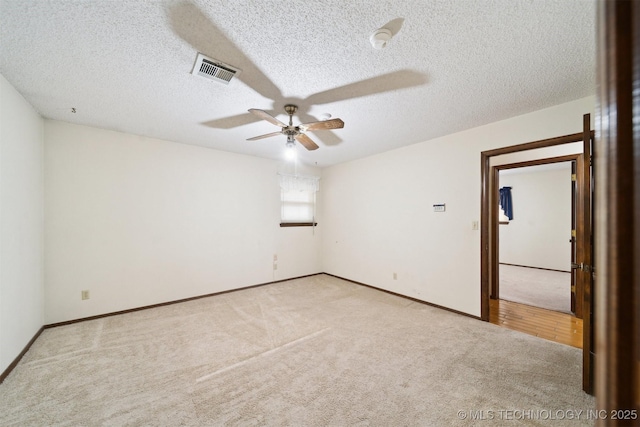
[(438, 208)]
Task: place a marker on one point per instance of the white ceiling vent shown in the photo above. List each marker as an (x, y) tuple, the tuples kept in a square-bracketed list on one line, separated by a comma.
[(213, 69)]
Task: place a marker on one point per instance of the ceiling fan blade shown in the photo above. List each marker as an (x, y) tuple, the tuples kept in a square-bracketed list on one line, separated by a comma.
[(269, 135), (326, 124), (306, 141), (328, 138), (268, 117)]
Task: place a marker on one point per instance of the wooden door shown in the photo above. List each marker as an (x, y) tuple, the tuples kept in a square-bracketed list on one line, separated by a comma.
[(584, 254), (572, 239)]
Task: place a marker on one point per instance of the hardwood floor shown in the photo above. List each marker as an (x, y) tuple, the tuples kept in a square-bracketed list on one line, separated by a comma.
[(551, 325)]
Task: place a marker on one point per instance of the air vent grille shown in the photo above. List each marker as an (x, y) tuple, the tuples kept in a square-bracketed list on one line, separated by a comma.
[(213, 69)]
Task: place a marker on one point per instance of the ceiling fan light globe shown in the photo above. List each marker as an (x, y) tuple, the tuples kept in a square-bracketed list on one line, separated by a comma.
[(290, 151), (290, 154)]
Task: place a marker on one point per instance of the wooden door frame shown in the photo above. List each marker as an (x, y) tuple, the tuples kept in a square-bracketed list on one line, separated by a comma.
[(488, 215), (617, 215), (494, 288)]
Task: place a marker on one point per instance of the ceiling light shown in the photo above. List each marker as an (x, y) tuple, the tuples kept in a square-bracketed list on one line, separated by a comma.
[(290, 150), (380, 38)]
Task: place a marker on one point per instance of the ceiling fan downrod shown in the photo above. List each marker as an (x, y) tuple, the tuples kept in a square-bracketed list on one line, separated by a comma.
[(291, 110), (291, 131)]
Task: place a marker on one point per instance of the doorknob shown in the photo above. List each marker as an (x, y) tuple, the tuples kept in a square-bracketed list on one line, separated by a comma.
[(582, 267)]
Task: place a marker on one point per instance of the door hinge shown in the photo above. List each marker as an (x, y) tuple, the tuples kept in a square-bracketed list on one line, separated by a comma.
[(573, 288), (573, 233), (574, 177)]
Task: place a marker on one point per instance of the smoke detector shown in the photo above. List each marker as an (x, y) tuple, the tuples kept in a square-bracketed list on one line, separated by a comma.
[(213, 69), (380, 38)]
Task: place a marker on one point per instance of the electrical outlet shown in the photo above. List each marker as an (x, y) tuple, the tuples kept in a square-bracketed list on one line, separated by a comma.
[(84, 295), (395, 276), (474, 225), (275, 257), (275, 265)]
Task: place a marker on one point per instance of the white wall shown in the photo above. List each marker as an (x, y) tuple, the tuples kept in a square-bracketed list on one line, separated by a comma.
[(539, 234), (139, 221), (379, 218), (21, 223)]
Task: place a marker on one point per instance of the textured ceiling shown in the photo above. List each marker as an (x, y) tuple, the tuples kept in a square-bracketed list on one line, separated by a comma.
[(452, 65)]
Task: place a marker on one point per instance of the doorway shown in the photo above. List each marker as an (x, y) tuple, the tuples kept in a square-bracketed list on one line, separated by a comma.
[(489, 227), (536, 247)]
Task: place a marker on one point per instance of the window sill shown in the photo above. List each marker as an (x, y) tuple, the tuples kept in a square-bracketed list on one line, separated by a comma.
[(298, 224)]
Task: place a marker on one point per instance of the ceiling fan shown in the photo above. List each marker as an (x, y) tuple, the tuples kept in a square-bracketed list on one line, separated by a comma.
[(295, 132), (196, 28)]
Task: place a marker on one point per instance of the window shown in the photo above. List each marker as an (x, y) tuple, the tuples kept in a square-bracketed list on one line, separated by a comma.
[(502, 217), (298, 200), (506, 205)]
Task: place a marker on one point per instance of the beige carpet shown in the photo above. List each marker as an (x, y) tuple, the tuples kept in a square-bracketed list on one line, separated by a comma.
[(312, 351), (533, 286)]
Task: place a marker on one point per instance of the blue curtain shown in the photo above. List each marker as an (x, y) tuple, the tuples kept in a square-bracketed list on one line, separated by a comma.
[(505, 202)]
